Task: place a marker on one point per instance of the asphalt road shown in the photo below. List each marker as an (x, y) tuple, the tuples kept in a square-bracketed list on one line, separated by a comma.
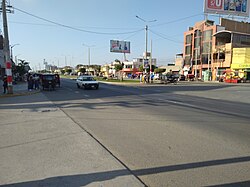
[(168, 135)]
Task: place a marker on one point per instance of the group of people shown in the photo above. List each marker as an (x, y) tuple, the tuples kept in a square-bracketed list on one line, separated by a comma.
[(33, 82), (146, 78)]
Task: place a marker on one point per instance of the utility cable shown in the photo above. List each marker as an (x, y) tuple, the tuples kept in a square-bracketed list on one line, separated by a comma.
[(164, 37), (73, 28), (89, 27), (174, 21)]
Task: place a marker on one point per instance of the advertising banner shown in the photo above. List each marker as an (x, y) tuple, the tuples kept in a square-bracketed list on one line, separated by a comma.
[(228, 7), (119, 46)]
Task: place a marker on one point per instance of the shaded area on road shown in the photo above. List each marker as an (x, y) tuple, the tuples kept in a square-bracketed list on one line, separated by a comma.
[(146, 99), (85, 179)]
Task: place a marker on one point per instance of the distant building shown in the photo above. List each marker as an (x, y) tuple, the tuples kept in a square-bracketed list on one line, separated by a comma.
[(129, 67)]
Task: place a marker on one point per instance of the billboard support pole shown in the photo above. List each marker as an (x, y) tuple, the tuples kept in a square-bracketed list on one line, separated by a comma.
[(125, 59)]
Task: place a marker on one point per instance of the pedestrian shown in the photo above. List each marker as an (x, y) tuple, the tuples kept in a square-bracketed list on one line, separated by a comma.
[(30, 82), (36, 81), (5, 84)]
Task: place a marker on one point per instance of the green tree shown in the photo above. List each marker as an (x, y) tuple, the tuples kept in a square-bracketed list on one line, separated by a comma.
[(141, 68), (116, 60), (62, 71), (82, 70), (68, 71), (78, 66), (118, 68), (157, 70), (21, 68)]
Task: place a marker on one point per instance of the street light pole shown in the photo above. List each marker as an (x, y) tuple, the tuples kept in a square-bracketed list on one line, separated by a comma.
[(146, 41), (88, 46), (11, 51), (146, 37)]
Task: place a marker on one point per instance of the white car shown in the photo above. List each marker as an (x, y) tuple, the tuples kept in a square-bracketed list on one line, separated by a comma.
[(87, 81)]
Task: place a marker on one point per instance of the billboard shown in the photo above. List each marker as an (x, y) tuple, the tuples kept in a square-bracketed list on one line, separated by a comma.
[(228, 7), (119, 46)]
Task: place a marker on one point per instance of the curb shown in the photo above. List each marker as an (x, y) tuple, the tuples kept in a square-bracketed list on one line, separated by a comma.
[(19, 94)]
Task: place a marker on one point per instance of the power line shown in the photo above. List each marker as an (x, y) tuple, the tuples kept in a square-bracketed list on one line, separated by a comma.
[(53, 25), (177, 20), (73, 28), (164, 37)]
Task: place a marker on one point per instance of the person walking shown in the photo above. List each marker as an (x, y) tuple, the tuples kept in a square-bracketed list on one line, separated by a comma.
[(36, 81), (30, 82), (5, 84)]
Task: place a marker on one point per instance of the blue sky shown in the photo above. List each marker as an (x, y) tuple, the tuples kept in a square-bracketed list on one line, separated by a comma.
[(62, 46)]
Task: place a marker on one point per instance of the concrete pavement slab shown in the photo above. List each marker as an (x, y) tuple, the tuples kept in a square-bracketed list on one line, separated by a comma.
[(19, 89), (41, 146)]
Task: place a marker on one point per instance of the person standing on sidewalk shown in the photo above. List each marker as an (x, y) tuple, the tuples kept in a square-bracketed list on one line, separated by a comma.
[(30, 82), (5, 84)]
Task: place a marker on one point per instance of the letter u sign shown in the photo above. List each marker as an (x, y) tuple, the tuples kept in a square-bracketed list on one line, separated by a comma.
[(218, 3), (214, 4)]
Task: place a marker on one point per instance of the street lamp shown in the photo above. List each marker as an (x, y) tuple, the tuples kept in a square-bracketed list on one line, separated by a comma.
[(16, 58), (89, 46), (146, 41), (11, 50)]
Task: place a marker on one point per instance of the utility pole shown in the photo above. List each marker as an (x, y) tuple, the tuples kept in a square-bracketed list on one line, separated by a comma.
[(88, 46), (150, 70), (146, 41), (8, 69), (146, 37), (196, 56), (209, 54)]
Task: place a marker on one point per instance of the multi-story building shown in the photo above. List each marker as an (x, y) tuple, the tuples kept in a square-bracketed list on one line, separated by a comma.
[(208, 48)]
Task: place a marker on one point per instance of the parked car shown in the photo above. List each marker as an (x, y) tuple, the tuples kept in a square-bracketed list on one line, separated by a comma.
[(190, 77), (87, 82), (181, 78)]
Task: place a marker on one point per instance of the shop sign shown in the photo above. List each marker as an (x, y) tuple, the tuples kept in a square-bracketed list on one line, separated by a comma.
[(240, 66)]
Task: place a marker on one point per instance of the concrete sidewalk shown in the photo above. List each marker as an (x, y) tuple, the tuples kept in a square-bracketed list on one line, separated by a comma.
[(41, 146), (19, 89)]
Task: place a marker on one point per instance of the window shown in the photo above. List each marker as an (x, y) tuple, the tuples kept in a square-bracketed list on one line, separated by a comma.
[(188, 39), (187, 60), (207, 35), (197, 42), (245, 40), (128, 66), (206, 47), (188, 50), (205, 58), (197, 33)]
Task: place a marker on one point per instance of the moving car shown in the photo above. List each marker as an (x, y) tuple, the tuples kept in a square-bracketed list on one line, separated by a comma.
[(87, 82), (166, 79), (48, 81)]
